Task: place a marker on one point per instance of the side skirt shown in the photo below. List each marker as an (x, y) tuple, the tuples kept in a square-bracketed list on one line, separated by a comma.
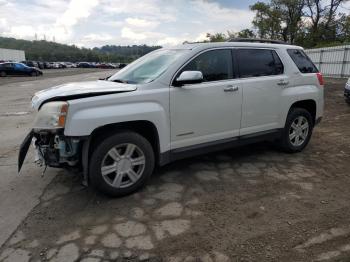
[(205, 148)]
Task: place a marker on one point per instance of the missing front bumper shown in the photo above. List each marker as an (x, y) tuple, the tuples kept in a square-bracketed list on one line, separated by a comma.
[(51, 149), (23, 150)]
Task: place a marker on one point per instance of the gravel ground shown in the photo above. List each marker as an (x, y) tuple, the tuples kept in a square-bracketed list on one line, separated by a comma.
[(252, 203)]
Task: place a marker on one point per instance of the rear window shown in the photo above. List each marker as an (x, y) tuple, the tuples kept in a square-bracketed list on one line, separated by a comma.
[(258, 62), (302, 61)]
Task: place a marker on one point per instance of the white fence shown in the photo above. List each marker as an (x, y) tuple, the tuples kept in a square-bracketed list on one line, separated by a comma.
[(331, 61), (11, 54)]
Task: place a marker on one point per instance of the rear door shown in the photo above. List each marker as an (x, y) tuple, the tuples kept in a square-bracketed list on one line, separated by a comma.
[(263, 79), (9, 69)]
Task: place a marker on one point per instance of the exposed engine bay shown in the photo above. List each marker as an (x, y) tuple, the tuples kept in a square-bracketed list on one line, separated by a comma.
[(56, 150)]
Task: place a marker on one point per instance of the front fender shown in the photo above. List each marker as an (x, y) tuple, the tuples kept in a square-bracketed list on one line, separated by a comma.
[(84, 117)]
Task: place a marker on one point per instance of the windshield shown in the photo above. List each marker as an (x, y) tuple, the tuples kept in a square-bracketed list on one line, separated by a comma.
[(147, 68)]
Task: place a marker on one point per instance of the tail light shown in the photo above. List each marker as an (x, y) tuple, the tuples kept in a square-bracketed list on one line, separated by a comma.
[(320, 79)]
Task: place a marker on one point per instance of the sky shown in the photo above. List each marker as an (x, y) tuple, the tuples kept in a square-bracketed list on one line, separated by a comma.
[(91, 23)]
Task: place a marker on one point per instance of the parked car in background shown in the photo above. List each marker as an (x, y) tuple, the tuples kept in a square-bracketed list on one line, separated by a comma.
[(13, 69), (47, 65), (105, 66), (122, 65), (62, 65), (347, 92), (30, 63), (85, 65), (70, 65), (215, 95), (56, 65), (40, 65)]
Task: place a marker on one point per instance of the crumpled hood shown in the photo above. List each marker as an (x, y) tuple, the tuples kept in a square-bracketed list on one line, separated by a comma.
[(77, 90)]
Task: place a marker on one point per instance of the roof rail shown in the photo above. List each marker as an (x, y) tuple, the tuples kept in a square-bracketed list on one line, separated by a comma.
[(256, 40)]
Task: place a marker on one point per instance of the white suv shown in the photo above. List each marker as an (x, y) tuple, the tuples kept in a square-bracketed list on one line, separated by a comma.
[(175, 103)]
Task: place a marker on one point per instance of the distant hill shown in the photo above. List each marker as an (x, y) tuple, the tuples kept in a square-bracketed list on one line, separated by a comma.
[(50, 51)]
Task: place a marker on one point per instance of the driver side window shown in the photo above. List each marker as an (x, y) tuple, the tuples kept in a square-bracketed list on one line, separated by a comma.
[(215, 65), (19, 66)]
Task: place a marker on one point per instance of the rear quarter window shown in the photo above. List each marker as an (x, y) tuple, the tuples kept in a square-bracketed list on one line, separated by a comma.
[(302, 61)]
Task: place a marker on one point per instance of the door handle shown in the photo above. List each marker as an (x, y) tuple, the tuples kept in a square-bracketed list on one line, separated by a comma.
[(231, 89), (283, 83)]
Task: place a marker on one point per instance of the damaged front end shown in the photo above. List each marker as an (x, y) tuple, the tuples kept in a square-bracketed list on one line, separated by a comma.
[(52, 147), (56, 150)]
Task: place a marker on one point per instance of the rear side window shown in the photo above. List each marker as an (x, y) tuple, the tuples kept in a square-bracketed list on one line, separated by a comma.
[(258, 62), (215, 65), (8, 65), (302, 61)]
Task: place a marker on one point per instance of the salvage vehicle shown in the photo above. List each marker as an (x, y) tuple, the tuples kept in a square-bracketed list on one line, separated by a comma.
[(347, 92), (15, 69), (175, 103)]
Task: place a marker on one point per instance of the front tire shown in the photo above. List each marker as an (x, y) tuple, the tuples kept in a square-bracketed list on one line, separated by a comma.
[(121, 164), (34, 73), (297, 131)]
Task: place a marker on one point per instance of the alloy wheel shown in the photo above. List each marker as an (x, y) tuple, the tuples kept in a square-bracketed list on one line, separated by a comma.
[(123, 165), (299, 131)]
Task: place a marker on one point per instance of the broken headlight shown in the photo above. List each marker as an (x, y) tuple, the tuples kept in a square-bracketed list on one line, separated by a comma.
[(52, 115)]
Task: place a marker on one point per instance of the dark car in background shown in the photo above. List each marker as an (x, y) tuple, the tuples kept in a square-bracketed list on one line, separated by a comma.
[(105, 66), (40, 65), (347, 92), (30, 63), (47, 65), (122, 65), (85, 65), (18, 69)]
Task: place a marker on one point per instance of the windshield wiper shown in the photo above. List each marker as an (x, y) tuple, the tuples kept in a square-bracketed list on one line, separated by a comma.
[(120, 81), (104, 78)]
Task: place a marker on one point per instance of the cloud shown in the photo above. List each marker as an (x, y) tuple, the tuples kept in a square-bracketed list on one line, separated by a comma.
[(97, 37), (159, 10), (98, 22), (166, 41), (141, 22), (232, 19), (77, 10), (3, 23), (132, 35)]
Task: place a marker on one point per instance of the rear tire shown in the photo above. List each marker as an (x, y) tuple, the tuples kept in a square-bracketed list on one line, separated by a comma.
[(297, 131), (121, 164)]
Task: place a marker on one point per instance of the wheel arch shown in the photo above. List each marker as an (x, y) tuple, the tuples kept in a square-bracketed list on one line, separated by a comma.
[(144, 128), (309, 104)]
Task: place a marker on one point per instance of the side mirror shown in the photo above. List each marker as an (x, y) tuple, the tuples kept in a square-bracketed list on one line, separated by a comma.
[(189, 77)]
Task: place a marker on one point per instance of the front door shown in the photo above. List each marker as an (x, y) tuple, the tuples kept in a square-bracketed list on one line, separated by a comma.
[(208, 111)]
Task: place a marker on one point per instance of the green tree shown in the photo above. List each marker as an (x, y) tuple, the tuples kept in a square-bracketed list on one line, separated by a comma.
[(246, 33), (218, 37), (291, 12), (267, 20)]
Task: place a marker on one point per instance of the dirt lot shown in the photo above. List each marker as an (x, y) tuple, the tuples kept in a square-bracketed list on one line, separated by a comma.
[(248, 204)]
